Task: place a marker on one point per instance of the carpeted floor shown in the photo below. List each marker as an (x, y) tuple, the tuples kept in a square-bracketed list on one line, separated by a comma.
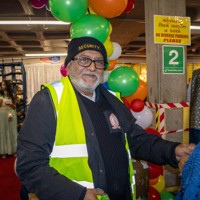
[(9, 183)]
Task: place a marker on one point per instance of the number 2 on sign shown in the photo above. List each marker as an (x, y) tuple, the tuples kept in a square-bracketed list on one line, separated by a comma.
[(172, 61)]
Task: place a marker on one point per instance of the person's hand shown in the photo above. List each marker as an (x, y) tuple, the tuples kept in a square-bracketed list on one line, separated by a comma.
[(91, 194), (32, 196), (182, 162), (183, 152)]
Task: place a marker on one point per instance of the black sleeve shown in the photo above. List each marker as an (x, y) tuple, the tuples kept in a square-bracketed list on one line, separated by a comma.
[(143, 146), (35, 142), (151, 148)]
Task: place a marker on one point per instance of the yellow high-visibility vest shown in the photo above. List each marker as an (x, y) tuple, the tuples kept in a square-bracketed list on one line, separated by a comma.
[(69, 152)]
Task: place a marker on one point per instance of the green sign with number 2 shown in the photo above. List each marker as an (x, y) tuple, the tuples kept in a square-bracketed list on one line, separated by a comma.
[(173, 59)]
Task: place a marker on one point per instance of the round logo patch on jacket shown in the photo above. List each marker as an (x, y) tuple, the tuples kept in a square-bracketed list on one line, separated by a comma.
[(114, 122)]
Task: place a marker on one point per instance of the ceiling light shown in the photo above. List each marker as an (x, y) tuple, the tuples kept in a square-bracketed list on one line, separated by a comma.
[(30, 22), (45, 54)]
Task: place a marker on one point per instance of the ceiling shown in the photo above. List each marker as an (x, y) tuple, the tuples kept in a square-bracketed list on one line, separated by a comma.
[(128, 30)]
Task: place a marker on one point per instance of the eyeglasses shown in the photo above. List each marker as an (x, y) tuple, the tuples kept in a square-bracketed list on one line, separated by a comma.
[(86, 62)]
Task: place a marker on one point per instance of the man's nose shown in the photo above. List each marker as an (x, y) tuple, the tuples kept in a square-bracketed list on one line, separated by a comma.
[(92, 66)]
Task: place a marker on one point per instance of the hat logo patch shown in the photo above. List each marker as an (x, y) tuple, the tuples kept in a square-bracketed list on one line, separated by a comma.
[(88, 46), (114, 122)]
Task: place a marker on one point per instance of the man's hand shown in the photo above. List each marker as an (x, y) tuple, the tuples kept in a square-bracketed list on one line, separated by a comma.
[(183, 152), (91, 194), (182, 162), (32, 196)]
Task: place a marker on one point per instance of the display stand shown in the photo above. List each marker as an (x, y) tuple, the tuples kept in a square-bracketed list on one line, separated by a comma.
[(16, 73)]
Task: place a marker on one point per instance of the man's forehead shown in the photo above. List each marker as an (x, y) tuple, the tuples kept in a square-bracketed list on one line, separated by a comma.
[(90, 53)]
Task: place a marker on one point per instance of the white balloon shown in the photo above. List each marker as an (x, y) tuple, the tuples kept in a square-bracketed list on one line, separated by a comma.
[(117, 51), (105, 76), (143, 118)]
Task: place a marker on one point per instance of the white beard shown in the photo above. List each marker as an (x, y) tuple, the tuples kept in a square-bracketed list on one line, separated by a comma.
[(80, 84)]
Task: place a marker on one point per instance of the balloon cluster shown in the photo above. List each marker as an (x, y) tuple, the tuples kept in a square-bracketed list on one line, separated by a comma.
[(133, 91), (135, 102), (90, 18), (156, 178), (155, 195)]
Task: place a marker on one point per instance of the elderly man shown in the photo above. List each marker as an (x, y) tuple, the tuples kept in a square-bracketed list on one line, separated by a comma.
[(78, 138)]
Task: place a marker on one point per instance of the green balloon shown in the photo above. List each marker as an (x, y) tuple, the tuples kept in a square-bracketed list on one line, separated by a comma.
[(124, 80), (91, 25), (68, 10), (167, 196)]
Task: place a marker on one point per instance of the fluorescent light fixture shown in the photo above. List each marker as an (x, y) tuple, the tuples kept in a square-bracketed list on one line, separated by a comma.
[(30, 22), (45, 54), (195, 27)]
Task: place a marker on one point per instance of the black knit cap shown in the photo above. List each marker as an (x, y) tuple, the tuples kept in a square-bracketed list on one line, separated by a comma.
[(78, 45)]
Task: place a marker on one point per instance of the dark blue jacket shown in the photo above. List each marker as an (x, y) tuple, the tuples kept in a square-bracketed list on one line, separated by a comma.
[(37, 137)]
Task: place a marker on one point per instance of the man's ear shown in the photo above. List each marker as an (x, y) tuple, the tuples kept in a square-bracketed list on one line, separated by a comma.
[(68, 66)]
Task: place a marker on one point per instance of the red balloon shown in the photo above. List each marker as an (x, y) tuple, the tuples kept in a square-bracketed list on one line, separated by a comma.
[(38, 3), (126, 103), (137, 105), (153, 131), (155, 170), (63, 70), (130, 6), (153, 194)]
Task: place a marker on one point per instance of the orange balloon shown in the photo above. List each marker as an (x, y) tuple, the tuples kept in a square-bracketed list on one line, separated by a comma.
[(160, 185), (108, 8), (140, 93), (153, 181), (112, 64)]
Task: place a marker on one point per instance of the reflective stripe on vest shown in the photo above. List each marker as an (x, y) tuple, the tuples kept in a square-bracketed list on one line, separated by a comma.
[(69, 151), (131, 171)]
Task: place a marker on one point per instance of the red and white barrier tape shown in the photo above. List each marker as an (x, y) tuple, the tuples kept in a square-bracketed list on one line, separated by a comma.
[(174, 131), (168, 105), (162, 108)]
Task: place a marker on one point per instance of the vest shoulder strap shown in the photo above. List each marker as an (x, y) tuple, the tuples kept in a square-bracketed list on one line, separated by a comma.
[(56, 89)]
